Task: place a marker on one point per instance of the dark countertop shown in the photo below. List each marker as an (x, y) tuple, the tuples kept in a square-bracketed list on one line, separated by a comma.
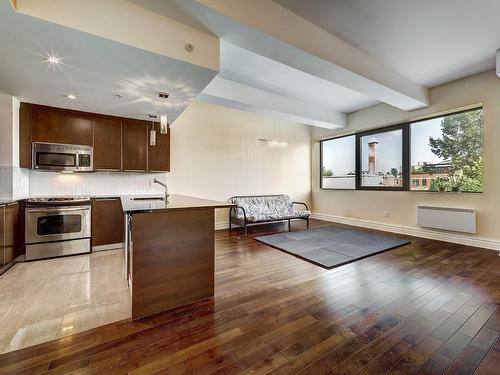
[(8, 201), (175, 202)]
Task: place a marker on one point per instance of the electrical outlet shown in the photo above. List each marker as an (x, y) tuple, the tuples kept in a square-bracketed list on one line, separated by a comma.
[(386, 213)]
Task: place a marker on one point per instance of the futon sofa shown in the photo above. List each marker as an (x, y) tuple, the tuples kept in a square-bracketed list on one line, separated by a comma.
[(256, 209)]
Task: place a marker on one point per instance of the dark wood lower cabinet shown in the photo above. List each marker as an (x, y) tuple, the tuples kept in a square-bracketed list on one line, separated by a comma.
[(11, 238), (2, 235), (107, 222), (9, 233)]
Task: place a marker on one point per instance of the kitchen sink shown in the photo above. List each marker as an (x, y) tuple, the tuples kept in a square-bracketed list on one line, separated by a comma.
[(148, 199)]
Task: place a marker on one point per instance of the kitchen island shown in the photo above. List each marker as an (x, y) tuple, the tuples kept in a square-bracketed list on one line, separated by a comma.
[(170, 251)]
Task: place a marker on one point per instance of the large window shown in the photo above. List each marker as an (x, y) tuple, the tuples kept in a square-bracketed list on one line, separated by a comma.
[(381, 154), (447, 153), (438, 154), (338, 163)]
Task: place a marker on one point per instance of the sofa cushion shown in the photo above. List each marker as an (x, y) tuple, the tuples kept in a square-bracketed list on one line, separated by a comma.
[(266, 207)]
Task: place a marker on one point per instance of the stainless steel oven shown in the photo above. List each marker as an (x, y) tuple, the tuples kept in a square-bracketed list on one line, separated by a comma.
[(52, 231), (62, 157)]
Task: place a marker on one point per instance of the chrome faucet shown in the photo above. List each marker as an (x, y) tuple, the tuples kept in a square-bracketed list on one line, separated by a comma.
[(165, 186)]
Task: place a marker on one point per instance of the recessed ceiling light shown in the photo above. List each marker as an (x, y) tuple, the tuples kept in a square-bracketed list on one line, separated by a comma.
[(71, 97), (54, 60)]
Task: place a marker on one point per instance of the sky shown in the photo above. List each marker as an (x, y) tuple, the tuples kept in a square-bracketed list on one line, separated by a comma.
[(389, 150), (420, 133), (338, 154)]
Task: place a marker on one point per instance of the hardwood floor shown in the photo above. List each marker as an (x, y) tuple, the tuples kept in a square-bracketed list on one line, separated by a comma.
[(426, 308)]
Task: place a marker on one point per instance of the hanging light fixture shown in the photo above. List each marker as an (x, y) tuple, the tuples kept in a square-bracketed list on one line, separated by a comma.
[(163, 116), (152, 132), (274, 143)]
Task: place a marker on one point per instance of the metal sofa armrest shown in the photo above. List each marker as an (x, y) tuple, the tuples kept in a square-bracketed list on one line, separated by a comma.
[(302, 203), (235, 208)]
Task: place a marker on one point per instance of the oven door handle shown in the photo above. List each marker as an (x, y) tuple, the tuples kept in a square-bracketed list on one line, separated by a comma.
[(30, 210)]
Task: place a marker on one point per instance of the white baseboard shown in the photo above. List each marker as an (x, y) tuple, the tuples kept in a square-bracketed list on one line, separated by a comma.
[(222, 225), (225, 225), (412, 231)]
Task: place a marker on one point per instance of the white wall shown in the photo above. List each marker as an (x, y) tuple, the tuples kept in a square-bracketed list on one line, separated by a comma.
[(370, 205), (13, 180), (215, 154), (7, 103)]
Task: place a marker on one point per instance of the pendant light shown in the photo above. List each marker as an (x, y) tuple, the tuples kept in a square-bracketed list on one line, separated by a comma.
[(152, 132), (163, 116), (274, 143)]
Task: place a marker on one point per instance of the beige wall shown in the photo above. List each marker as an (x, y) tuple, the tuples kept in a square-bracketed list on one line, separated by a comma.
[(370, 205), (215, 154)]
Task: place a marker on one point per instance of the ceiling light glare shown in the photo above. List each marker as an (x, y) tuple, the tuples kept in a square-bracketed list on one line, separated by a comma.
[(53, 60), (71, 97)]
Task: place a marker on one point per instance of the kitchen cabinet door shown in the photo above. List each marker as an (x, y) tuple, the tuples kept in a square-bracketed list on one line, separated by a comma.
[(25, 135), (60, 126), (135, 145), (159, 154), (107, 221), (11, 234), (2, 235), (107, 144)]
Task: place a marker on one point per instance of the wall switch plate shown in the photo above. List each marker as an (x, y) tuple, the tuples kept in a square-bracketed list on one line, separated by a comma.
[(386, 213)]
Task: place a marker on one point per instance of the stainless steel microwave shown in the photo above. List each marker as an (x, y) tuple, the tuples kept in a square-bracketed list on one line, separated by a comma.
[(62, 157)]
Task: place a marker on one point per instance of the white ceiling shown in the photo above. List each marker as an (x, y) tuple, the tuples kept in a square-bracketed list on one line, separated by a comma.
[(430, 42), (94, 69)]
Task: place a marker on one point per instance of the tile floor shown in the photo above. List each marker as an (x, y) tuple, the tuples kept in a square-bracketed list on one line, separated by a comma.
[(48, 299)]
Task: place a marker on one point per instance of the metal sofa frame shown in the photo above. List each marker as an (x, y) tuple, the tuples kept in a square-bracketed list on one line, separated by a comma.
[(245, 222)]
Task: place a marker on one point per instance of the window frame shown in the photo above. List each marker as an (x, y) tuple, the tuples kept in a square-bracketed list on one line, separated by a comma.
[(405, 144), (321, 161), (472, 108), (405, 127)]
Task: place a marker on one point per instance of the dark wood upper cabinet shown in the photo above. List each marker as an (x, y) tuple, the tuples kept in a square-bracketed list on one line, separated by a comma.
[(25, 135), (61, 126), (159, 155), (107, 143), (120, 144), (135, 145), (11, 236), (107, 221)]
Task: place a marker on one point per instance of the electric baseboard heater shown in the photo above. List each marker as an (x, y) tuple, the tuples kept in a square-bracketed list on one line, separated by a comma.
[(447, 218)]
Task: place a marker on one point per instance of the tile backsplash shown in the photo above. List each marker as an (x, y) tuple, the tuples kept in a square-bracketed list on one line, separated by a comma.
[(14, 182), (93, 184)]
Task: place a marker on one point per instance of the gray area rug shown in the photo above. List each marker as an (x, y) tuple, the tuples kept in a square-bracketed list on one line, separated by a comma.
[(331, 246)]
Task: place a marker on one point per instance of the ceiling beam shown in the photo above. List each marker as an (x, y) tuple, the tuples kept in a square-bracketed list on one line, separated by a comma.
[(240, 96), (271, 30)]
